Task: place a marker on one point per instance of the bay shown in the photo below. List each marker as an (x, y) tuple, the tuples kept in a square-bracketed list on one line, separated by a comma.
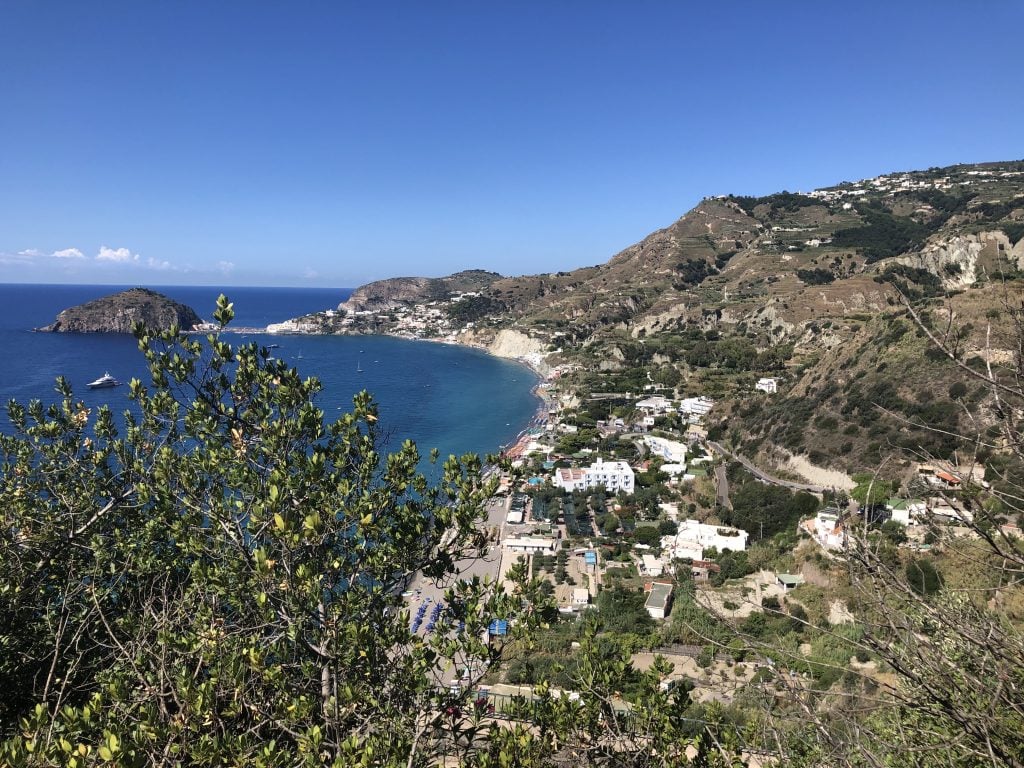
[(453, 398)]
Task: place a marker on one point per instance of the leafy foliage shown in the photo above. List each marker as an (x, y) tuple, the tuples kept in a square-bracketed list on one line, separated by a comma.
[(220, 580), (692, 272), (816, 276), (882, 235), (473, 308), (925, 283), (775, 508)]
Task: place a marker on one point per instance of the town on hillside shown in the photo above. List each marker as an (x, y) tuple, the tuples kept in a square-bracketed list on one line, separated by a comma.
[(740, 413), (625, 506)]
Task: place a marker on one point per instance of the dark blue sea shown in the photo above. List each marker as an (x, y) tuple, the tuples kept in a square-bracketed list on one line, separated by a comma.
[(455, 399)]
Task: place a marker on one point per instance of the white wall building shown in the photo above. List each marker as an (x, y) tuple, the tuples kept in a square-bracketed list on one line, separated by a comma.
[(659, 599), (670, 450), (696, 406), (531, 545), (651, 566), (907, 511), (693, 537), (828, 529), (615, 476), (569, 479), (656, 404), (580, 596), (771, 386)]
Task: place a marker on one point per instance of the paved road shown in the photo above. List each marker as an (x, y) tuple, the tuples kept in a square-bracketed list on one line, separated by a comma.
[(722, 483), (761, 475)]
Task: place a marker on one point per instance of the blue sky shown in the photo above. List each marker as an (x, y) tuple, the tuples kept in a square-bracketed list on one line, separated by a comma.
[(246, 143)]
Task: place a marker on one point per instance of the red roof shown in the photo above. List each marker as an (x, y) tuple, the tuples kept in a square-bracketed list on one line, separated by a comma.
[(948, 478)]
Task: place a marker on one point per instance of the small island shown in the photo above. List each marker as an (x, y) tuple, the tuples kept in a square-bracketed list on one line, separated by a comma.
[(119, 312)]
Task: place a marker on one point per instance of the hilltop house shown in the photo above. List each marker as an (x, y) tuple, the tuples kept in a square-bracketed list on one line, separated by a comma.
[(697, 407), (770, 386)]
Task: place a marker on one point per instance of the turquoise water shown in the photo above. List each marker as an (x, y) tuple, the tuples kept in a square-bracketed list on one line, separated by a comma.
[(455, 399)]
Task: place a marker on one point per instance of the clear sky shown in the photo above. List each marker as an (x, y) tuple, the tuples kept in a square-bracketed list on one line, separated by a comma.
[(305, 143)]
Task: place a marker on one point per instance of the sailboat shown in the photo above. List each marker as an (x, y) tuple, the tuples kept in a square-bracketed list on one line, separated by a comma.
[(359, 366)]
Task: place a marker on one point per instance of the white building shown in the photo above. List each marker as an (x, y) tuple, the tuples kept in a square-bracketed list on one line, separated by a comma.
[(659, 599), (656, 404), (531, 545), (615, 476), (651, 566), (693, 538), (670, 450), (696, 406), (906, 511), (580, 596), (771, 386), (828, 529), (569, 479), (673, 548)]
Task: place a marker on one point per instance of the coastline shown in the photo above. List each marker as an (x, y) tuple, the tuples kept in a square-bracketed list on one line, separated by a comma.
[(532, 362), (515, 448)]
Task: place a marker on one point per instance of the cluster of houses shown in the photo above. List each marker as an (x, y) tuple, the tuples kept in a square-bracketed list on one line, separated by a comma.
[(831, 527)]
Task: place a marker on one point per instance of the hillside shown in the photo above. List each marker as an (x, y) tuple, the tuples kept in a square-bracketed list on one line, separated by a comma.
[(397, 291), (800, 286)]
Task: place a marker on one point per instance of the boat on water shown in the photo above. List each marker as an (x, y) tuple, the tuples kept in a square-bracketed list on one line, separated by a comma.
[(104, 381)]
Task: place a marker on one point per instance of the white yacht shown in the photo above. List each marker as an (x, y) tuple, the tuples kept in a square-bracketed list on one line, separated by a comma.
[(104, 381)]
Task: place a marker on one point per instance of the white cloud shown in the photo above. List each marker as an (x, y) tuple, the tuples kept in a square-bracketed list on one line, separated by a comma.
[(310, 274), (119, 255), (157, 263), (225, 267), (30, 253), (68, 253)]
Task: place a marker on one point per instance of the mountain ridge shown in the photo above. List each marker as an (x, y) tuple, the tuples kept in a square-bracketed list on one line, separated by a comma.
[(794, 285)]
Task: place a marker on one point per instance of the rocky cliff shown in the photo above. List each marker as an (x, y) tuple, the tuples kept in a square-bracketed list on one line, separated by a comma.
[(119, 312)]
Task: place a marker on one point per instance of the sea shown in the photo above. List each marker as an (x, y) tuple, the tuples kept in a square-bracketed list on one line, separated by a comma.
[(456, 399)]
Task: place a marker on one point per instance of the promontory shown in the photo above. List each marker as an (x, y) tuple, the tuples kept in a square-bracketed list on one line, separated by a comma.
[(119, 312)]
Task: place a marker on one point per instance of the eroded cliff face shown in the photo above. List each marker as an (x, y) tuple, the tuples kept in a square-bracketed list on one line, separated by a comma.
[(509, 343), (962, 260), (119, 312)]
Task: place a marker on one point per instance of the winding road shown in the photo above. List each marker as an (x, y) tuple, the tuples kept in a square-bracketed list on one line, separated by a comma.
[(759, 474)]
